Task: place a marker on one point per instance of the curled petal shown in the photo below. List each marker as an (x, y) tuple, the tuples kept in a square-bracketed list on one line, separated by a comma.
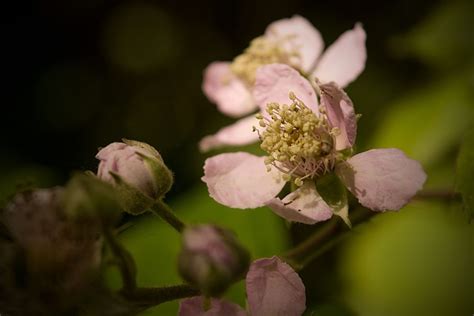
[(274, 288), (240, 180), (382, 179), (304, 205), (340, 111), (274, 82), (223, 88), (298, 37), (194, 306), (344, 60), (238, 134)]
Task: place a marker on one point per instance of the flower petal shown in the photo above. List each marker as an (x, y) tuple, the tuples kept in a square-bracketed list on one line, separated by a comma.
[(194, 307), (274, 288), (298, 35), (304, 205), (344, 60), (340, 111), (238, 134), (240, 180), (274, 83), (223, 88), (382, 179)]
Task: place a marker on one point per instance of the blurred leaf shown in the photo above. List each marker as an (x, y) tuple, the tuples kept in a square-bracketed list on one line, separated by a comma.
[(465, 172), (427, 123), (415, 262), (155, 245), (444, 39)]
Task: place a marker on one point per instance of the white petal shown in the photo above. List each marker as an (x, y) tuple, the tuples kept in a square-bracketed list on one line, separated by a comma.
[(297, 35), (274, 82), (304, 205), (238, 134), (240, 180), (382, 179), (223, 88), (344, 60), (341, 114), (274, 289)]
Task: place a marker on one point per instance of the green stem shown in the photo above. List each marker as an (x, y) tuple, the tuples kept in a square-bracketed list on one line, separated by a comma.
[(147, 297), (161, 209), (440, 194), (125, 260), (326, 237)]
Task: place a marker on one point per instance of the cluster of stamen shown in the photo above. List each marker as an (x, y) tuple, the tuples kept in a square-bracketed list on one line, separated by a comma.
[(260, 52), (299, 142)]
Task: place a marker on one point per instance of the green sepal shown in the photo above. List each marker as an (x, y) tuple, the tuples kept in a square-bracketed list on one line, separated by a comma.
[(163, 177), (334, 193), (132, 200), (86, 196)]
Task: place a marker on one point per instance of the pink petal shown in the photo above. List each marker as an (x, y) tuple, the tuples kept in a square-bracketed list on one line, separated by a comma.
[(275, 81), (298, 35), (304, 205), (382, 179), (223, 88), (237, 134), (274, 288), (194, 307), (344, 60), (240, 180), (340, 111), (110, 149)]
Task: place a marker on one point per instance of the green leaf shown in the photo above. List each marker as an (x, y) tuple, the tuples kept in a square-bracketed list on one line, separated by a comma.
[(465, 172), (427, 124), (417, 261), (155, 245)]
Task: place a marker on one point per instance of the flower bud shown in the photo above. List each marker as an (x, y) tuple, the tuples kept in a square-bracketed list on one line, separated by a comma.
[(86, 196), (54, 253), (211, 258), (137, 170)]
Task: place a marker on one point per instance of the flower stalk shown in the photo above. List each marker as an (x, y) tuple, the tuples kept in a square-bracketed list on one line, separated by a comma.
[(162, 210)]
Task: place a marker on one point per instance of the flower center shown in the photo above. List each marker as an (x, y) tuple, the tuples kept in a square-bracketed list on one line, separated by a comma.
[(260, 52), (299, 142)]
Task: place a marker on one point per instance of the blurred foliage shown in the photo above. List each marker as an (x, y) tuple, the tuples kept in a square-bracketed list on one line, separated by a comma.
[(465, 171), (415, 262)]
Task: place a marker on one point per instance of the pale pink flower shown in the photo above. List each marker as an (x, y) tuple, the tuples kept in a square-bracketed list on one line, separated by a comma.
[(305, 141), (293, 41), (273, 288)]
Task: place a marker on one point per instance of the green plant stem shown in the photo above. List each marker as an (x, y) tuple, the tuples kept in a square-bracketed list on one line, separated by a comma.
[(334, 231), (326, 237), (161, 209), (439, 194), (124, 259), (148, 297)]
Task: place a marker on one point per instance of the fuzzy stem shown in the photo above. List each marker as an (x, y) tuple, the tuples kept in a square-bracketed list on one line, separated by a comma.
[(148, 297), (161, 209), (125, 260), (327, 236)]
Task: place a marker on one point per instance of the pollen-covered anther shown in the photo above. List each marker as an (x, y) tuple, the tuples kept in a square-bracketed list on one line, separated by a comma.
[(261, 51), (298, 141)]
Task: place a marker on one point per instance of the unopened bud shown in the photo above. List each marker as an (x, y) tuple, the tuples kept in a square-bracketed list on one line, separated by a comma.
[(138, 171), (86, 196), (58, 254), (211, 258)]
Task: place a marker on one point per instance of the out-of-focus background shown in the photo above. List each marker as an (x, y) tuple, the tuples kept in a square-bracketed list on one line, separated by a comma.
[(80, 74)]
